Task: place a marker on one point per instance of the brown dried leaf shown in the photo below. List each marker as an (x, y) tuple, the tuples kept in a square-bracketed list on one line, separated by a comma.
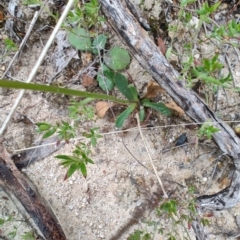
[(87, 80), (153, 90), (102, 107), (2, 18), (161, 46), (176, 109)]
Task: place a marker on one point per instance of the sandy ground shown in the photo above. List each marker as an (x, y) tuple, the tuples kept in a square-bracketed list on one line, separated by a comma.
[(118, 193)]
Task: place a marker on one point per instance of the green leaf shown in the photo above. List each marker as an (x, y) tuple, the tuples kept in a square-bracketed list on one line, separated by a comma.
[(141, 114), (28, 236), (169, 207), (2, 221), (128, 91), (31, 2), (184, 3), (160, 107), (80, 39), (67, 160), (124, 115), (168, 52), (12, 234), (135, 236), (117, 58), (10, 45), (89, 160), (134, 92), (106, 80), (50, 132), (71, 170), (43, 126), (99, 43), (83, 169)]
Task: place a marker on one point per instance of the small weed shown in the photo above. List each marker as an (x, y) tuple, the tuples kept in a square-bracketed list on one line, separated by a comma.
[(93, 136), (28, 236), (85, 15), (179, 214), (79, 112), (15, 231), (139, 235), (64, 130), (77, 161), (207, 130), (10, 45)]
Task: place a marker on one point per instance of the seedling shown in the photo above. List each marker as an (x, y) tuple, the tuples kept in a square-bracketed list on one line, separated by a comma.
[(207, 130), (15, 231), (77, 161)]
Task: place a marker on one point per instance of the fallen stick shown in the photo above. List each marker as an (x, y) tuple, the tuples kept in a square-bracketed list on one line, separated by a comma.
[(152, 60), (13, 182)]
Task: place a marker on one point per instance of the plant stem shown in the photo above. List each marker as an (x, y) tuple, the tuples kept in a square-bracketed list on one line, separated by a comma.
[(66, 91)]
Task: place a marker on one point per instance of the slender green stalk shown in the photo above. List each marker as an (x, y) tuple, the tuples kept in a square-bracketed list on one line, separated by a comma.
[(44, 88)]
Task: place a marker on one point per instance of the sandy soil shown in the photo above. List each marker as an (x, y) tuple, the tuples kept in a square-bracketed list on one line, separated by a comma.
[(118, 193)]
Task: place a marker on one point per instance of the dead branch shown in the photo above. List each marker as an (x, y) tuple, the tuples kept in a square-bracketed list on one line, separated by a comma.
[(19, 190)]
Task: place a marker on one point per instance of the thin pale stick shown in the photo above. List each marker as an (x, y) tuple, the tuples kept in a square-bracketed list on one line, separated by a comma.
[(150, 158), (121, 131), (38, 63)]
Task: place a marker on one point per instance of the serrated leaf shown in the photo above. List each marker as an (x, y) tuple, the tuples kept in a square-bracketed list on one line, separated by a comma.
[(117, 58), (160, 107), (80, 39), (99, 43), (124, 115), (128, 91)]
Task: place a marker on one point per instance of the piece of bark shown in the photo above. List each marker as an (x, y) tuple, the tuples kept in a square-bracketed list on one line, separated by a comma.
[(27, 157), (26, 199)]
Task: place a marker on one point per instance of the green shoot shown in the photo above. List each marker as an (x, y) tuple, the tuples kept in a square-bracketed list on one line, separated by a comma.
[(207, 130), (77, 161)]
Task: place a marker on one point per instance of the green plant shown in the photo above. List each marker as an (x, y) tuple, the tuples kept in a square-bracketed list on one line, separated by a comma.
[(10, 45), (28, 236), (180, 213), (63, 129), (85, 15), (93, 135), (39, 3), (78, 111), (15, 231), (207, 70), (139, 235), (77, 161), (207, 130)]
